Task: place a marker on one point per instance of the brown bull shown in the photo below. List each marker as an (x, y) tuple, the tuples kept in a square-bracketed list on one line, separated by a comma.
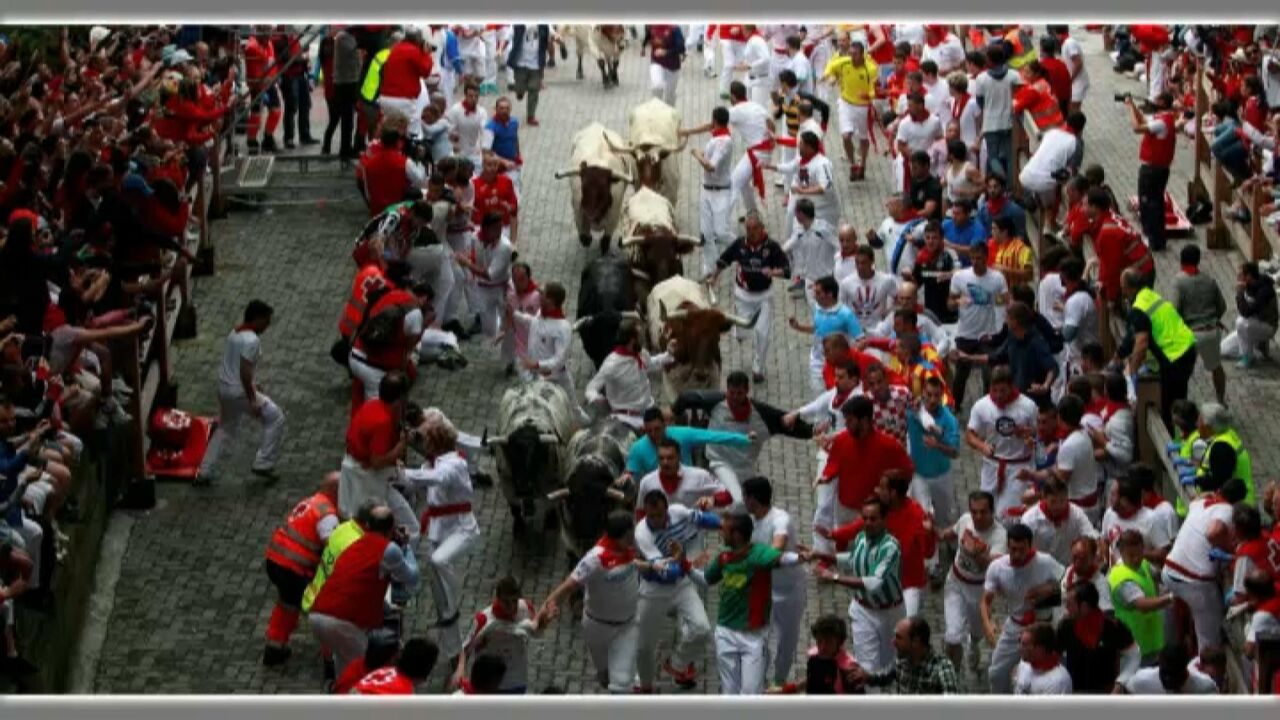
[(681, 309)]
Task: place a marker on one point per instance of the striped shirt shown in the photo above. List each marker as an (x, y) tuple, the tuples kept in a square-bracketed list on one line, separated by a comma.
[(653, 545), (878, 563)]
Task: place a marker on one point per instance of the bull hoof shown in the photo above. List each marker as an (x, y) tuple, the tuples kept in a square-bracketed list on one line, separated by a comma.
[(604, 244), (585, 240)]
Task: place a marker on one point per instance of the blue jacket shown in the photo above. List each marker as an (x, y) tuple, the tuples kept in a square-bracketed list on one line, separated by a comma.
[(931, 463), (642, 459)]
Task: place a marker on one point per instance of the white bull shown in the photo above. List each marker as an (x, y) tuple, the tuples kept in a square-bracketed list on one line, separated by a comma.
[(653, 128), (604, 43), (535, 422), (599, 179)]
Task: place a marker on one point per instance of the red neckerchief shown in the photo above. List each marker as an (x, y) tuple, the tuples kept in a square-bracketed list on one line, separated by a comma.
[(628, 352), (1192, 270), (1213, 499), (957, 108), (1271, 607), (1088, 628), (995, 206), (670, 483), (740, 414), (614, 555), (838, 400), (739, 102), (499, 613), (1047, 664), (553, 314), (1095, 406), (1152, 501), (1013, 399), (1057, 519), (470, 108), (533, 287), (1125, 515), (925, 256), (804, 161), (720, 132), (242, 328), (1031, 555)]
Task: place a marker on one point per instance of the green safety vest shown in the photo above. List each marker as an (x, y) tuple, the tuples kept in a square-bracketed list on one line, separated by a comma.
[(373, 79), (1186, 452), (1168, 331), (342, 538), (1147, 627), (1244, 465)]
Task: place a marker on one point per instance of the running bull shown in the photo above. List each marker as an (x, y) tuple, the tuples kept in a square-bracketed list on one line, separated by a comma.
[(681, 309), (599, 179), (604, 43), (597, 456), (654, 247), (654, 130), (605, 298)]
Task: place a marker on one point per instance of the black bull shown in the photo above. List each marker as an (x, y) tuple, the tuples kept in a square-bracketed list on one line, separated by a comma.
[(597, 457), (605, 298)]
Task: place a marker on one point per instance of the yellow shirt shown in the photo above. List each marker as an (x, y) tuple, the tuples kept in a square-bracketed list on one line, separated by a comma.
[(857, 84)]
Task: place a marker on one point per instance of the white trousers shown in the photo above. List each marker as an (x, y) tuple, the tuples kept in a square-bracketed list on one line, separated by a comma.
[(713, 223), (748, 304), (1010, 496), (872, 635), (490, 302), (960, 603), (357, 484), (740, 657), (911, 599), (613, 653), (448, 300), (937, 495), (759, 91), (662, 83), (29, 538), (408, 107), (740, 183), (818, 59), (434, 342), (828, 512), (231, 413), (473, 66), (1004, 658), (446, 586), (786, 619), (1248, 336), (1204, 600), (732, 483), (730, 54), (695, 629), (370, 377), (817, 384), (346, 641), (490, 57)]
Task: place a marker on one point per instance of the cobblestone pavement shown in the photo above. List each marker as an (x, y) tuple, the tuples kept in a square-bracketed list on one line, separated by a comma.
[(192, 600)]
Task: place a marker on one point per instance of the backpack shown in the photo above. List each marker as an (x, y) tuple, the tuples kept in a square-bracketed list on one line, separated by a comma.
[(385, 329)]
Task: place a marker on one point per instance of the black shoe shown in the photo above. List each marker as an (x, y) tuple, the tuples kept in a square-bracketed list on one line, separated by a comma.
[(510, 372), (326, 150), (456, 328), (309, 141), (273, 655), (476, 328), (330, 672), (269, 144), (288, 145), (252, 146), (268, 474), (757, 378), (201, 481)]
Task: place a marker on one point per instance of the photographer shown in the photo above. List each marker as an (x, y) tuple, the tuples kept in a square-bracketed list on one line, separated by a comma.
[(1159, 141), (1050, 166), (387, 175)]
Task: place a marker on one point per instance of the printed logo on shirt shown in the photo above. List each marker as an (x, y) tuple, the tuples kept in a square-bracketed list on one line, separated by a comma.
[(1006, 426), (979, 295)]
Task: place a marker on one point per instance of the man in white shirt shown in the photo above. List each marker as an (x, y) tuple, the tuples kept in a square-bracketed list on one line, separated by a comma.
[(490, 272), (779, 57), (813, 246), (1002, 428), (1040, 672), (937, 93), (1051, 165), (757, 61), (549, 344), (1128, 513), (467, 118), (1189, 571), (1171, 678), (918, 129), (813, 178), (790, 587), (732, 45), (239, 395), (1079, 321), (716, 159), (943, 48), (978, 540), (685, 485), (994, 90), (868, 292), (981, 296), (621, 385), (1073, 56), (751, 122), (471, 47), (1087, 568), (1076, 464), (1056, 523), (1024, 579), (800, 64)]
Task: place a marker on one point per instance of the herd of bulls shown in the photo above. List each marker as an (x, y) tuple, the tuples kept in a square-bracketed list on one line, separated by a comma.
[(548, 471)]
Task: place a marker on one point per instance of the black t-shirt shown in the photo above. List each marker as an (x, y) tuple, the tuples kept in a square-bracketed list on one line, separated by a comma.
[(937, 291), (922, 191), (1093, 670)]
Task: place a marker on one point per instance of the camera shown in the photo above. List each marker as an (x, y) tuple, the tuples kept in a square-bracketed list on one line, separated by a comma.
[(1061, 175), (1123, 97)]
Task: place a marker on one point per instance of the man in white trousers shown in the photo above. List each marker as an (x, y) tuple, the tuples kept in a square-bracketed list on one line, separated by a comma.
[(663, 536), (753, 125), (375, 444), (550, 340), (1190, 572), (1025, 579), (733, 40), (779, 56), (447, 519), (813, 247), (978, 540), (490, 268), (667, 49), (621, 385), (757, 61), (813, 178), (759, 260), (716, 159), (683, 485), (776, 528), (607, 574), (239, 395), (468, 118)]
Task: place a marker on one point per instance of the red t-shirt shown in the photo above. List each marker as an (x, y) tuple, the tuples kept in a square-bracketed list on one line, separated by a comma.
[(354, 673), (857, 464), (372, 431), (1059, 78), (491, 195), (384, 681), (406, 66), (906, 524), (1109, 243)]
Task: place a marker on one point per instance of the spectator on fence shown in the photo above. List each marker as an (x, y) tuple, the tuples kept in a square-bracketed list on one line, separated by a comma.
[(1257, 318)]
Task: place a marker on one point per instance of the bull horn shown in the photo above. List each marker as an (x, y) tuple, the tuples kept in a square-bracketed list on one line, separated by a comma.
[(690, 239), (640, 273), (558, 495), (552, 439), (630, 315), (684, 140), (736, 320), (495, 440), (616, 494), (631, 240), (622, 177), (583, 322), (662, 311), (568, 173), (628, 149)]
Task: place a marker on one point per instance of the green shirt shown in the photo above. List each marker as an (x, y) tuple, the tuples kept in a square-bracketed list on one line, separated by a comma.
[(746, 593), (878, 562)]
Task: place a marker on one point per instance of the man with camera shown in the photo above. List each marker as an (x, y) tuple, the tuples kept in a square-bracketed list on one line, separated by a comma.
[(1159, 140)]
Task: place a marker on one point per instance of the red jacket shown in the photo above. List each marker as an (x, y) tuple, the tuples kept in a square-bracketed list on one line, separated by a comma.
[(406, 66), (857, 464), (384, 681), (906, 524), (491, 195), (385, 177), (258, 61), (1118, 246), (182, 120)]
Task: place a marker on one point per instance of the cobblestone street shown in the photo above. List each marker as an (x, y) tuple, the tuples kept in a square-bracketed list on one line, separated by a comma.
[(192, 600)]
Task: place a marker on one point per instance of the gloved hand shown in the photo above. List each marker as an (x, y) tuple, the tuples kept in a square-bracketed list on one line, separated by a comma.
[(1173, 447), (1220, 555), (1187, 476)]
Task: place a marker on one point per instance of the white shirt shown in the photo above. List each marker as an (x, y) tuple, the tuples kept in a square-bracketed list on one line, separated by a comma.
[(757, 56), (1056, 539), (496, 260), (719, 154), (1055, 151), (845, 268), (436, 135), (800, 65), (1030, 681), (1049, 299), (1081, 313), (814, 249), (695, 484), (1154, 533), (550, 340), (529, 48), (447, 481), (966, 566), (775, 524), (241, 345), (508, 639), (1080, 83), (622, 381), (750, 122), (997, 97), (968, 119), (1147, 682), (1262, 624), (998, 427), (469, 128), (948, 55), (937, 97), (684, 526), (981, 316), (1099, 581), (871, 299), (818, 172), (911, 33), (610, 594), (471, 46), (1004, 580), (919, 136), (1075, 456), (824, 407), (1191, 546)]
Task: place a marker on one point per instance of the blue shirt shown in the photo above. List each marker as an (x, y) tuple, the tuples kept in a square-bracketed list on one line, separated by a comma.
[(642, 459), (1011, 210), (971, 233), (840, 318), (930, 462), (12, 462), (504, 137)]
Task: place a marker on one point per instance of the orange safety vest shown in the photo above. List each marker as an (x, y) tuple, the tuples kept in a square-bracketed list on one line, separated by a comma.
[(369, 278), (296, 545)]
